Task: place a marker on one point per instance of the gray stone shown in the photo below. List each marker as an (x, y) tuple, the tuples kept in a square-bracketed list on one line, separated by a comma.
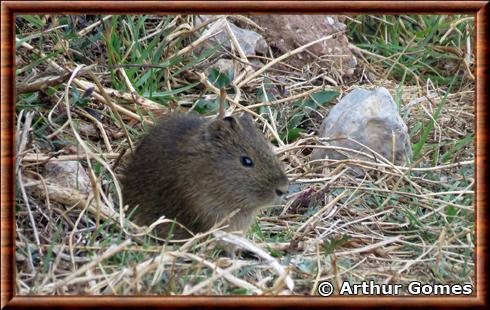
[(371, 118), (222, 65), (67, 174), (250, 41), (227, 65), (287, 32)]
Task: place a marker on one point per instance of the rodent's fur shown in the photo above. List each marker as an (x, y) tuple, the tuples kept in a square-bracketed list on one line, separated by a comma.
[(190, 169)]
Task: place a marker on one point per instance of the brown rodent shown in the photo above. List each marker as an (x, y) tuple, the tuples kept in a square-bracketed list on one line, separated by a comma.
[(198, 171)]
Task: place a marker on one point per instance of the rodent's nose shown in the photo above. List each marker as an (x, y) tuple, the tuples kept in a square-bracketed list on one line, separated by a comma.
[(281, 191)]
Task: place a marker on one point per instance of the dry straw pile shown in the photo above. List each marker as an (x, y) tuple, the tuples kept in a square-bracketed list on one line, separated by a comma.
[(393, 225)]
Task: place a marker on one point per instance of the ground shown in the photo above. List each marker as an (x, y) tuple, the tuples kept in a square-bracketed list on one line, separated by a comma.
[(394, 224)]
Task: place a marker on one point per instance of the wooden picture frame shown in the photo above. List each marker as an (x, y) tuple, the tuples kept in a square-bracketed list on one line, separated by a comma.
[(10, 8)]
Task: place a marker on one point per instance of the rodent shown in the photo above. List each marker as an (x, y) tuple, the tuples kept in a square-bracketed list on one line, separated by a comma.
[(197, 171)]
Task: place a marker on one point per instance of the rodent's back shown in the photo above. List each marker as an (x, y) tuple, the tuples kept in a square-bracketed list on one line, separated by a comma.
[(150, 181), (198, 171)]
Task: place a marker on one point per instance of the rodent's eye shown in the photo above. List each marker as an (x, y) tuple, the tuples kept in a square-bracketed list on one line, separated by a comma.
[(246, 161)]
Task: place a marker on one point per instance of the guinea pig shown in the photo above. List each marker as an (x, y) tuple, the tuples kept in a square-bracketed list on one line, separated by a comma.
[(198, 171)]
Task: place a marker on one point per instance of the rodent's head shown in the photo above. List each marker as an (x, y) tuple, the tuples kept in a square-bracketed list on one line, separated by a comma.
[(249, 171)]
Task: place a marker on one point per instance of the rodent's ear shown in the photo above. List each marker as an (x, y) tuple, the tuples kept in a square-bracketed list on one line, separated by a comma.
[(221, 128), (232, 122)]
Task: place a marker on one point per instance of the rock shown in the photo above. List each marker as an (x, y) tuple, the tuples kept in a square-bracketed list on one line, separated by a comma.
[(67, 174), (288, 32), (250, 41), (226, 65), (369, 117), (87, 129), (222, 65)]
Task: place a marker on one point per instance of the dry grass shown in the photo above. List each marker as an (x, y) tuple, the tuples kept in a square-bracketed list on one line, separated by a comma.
[(393, 225)]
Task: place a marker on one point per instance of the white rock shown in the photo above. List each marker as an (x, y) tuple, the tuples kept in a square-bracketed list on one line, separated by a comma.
[(67, 174), (250, 41), (371, 118), (223, 65)]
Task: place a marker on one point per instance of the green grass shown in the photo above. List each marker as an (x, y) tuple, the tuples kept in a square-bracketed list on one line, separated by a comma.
[(414, 42)]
